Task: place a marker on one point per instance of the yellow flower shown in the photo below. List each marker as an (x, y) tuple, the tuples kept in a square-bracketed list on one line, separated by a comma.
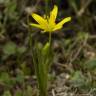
[(49, 24)]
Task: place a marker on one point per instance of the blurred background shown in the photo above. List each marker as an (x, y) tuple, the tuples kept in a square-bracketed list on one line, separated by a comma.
[(73, 72)]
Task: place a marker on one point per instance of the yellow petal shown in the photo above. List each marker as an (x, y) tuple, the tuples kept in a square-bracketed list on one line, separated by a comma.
[(39, 19), (43, 31), (53, 15), (57, 28), (60, 24), (36, 25)]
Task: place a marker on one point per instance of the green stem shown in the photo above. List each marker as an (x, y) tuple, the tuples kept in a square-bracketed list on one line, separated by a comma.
[(30, 37), (50, 38), (30, 40)]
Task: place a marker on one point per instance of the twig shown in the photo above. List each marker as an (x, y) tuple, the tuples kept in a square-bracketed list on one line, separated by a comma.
[(79, 50), (82, 10), (53, 92)]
